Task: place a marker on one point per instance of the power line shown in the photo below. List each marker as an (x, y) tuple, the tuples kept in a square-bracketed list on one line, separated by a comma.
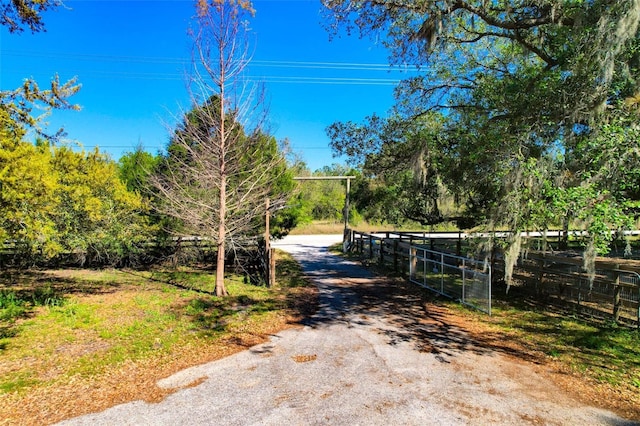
[(175, 60), (252, 78), (280, 78)]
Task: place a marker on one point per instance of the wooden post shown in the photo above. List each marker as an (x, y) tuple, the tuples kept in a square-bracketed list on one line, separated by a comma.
[(382, 241), (346, 203), (617, 300), (272, 267), (267, 230), (267, 246), (539, 277), (347, 240), (395, 255), (413, 261), (370, 246)]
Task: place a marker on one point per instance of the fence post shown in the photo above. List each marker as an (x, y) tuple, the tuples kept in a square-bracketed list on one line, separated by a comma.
[(347, 240), (272, 267), (395, 255), (442, 273), (540, 276), (463, 279), (617, 300), (638, 313), (413, 262), (425, 277), (382, 243), (370, 246)]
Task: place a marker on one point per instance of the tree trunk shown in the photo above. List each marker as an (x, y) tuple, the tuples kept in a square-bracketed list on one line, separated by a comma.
[(222, 212), (220, 287)]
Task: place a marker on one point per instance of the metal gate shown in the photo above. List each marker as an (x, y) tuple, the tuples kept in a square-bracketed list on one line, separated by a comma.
[(461, 278)]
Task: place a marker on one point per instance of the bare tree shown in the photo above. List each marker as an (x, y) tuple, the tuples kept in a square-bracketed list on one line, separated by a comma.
[(221, 165)]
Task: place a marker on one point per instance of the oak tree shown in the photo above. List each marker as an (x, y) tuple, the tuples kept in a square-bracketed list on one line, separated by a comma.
[(530, 89)]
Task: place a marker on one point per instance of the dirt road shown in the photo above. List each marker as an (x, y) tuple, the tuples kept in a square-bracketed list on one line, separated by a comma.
[(355, 363)]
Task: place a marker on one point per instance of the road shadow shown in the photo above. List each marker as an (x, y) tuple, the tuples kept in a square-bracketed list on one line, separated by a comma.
[(400, 311)]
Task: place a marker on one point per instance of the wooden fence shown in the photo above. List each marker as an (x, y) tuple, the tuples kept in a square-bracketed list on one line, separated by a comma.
[(251, 259), (610, 292)]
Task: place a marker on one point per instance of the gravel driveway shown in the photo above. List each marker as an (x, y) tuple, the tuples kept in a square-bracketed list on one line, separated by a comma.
[(355, 365)]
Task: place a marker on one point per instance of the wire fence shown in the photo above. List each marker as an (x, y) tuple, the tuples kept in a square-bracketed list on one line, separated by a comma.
[(460, 278)]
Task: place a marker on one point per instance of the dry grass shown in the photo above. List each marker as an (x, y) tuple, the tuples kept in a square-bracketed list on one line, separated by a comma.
[(304, 358), (319, 228), (328, 227)]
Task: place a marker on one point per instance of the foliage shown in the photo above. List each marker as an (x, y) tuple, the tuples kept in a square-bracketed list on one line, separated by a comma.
[(256, 166), (98, 219), (17, 107), (403, 163), (538, 99), (28, 199), (135, 169), (17, 14), (56, 201), (322, 200)]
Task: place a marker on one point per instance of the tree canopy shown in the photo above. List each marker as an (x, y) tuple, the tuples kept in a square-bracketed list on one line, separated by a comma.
[(537, 99), (18, 14)]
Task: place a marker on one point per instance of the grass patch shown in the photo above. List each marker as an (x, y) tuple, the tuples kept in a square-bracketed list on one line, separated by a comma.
[(319, 228), (17, 302), (602, 351), (100, 335)]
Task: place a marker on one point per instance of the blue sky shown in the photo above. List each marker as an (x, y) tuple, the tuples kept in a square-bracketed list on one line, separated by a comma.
[(130, 58)]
